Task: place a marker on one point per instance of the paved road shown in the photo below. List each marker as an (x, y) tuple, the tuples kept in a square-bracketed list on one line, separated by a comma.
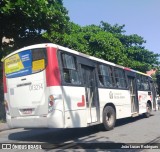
[(133, 130)]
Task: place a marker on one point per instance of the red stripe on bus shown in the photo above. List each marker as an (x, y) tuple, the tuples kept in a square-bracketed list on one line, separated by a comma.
[(82, 103), (4, 82), (139, 98), (128, 69), (52, 69)]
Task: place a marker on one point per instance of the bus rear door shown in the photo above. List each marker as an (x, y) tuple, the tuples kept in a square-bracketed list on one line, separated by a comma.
[(89, 79)]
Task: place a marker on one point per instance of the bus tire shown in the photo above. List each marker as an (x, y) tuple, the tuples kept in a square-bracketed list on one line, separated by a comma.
[(109, 118), (148, 112)]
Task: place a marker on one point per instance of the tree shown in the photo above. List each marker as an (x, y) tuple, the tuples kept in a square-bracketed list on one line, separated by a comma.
[(109, 43), (94, 41), (25, 21), (138, 57)]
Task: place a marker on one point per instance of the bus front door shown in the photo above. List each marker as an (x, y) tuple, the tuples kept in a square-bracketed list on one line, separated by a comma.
[(133, 94), (91, 93)]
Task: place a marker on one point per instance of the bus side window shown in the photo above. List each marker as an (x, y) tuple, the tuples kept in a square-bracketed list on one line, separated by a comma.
[(70, 73), (120, 78), (142, 83), (139, 82), (145, 83), (105, 76)]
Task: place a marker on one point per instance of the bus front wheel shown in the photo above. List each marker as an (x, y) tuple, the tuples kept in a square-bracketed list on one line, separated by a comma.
[(109, 118)]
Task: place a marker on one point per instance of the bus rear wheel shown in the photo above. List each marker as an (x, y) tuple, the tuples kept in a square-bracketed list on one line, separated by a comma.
[(148, 112), (109, 118)]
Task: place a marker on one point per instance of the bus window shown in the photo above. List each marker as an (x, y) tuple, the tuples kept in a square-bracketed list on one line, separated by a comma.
[(70, 73), (25, 63), (142, 83), (138, 82), (39, 59), (105, 76), (145, 83), (120, 78)]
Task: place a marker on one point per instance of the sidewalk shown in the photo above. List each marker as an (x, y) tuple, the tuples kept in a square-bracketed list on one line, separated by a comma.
[(3, 126)]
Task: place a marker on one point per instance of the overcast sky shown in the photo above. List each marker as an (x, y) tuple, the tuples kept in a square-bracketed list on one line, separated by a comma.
[(141, 17)]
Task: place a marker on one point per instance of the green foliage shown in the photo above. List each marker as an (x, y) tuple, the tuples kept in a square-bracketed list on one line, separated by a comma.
[(30, 22), (94, 41), (109, 43), (138, 57), (115, 29), (24, 21)]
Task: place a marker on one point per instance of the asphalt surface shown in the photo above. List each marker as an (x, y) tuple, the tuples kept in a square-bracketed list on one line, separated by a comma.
[(138, 130)]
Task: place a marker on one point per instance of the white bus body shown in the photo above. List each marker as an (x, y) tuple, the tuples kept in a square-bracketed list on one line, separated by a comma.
[(47, 85)]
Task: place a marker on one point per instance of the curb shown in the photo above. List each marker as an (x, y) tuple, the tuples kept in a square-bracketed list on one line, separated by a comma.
[(3, 127)]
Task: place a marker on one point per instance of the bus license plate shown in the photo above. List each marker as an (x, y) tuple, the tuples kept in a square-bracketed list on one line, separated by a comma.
[(27, 111)]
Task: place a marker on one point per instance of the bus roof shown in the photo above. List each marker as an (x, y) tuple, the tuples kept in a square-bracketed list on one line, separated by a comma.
[(44, 45)]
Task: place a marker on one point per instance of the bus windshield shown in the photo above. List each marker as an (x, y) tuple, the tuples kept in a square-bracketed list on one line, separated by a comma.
[(25, 63)]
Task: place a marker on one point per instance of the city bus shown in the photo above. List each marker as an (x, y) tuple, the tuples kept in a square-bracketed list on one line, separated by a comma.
[(51, 86)]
